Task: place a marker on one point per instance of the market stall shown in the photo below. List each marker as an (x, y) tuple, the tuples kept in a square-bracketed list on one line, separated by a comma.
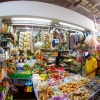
[(59, 84), (31, 52)]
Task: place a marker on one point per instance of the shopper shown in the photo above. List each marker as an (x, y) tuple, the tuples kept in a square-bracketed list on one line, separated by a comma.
[(90, 66), (59, 58)]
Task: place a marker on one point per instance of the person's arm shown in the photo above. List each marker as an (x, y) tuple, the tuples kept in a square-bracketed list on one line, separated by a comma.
[(91, 71)]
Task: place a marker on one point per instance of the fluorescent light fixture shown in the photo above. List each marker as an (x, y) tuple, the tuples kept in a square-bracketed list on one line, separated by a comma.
[(30, 19), (73, 26), (27, 24), (34, 21)]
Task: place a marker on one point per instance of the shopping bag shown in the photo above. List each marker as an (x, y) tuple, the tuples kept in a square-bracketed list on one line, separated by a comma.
[(29, 89), (25, 89)]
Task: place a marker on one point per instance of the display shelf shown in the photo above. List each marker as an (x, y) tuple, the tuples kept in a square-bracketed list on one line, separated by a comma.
[(63, 50), (4, 47), (19, 84), (5, 95), (44, 49), (65, 56), (71, 71), (9, 35), (53, 55)]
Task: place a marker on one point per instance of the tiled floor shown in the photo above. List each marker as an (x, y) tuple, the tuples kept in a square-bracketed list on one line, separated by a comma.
[(22, 95)]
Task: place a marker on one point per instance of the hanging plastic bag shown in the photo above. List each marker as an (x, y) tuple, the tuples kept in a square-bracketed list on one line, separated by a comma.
[(91, 41), (25, 89), (13, 89), (28, 87)]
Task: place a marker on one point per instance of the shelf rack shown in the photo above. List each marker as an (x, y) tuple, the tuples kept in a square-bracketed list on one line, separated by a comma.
[(9, 35), (4, 47)]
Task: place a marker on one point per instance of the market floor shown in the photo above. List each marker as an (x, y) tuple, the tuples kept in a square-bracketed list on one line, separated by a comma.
[(21, 95), (98, 98)]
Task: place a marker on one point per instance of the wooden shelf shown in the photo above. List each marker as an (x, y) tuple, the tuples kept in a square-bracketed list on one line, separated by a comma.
[(44, 49), (9, 35), (5, 47), (64, 50)]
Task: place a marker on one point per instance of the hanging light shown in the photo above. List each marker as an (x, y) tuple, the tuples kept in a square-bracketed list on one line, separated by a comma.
[(31, 21)]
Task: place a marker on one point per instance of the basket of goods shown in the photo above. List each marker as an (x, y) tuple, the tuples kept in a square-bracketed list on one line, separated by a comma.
[(80, 94)]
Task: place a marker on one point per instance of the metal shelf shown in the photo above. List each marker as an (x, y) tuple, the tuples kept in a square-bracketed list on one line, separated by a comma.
[(5, 47)]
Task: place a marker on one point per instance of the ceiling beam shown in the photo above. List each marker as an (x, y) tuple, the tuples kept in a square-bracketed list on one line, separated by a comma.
[(97, 12), (71, 5), (77, 3), (87, 4), (97, 4)]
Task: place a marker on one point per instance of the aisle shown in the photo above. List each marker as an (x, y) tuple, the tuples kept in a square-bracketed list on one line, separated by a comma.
[(21, 95), (98, 98)]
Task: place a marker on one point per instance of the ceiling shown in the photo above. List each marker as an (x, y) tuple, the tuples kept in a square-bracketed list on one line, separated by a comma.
[(88, 8)]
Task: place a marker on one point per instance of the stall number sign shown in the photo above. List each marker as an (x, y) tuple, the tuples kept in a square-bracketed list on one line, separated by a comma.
[(1, 54)]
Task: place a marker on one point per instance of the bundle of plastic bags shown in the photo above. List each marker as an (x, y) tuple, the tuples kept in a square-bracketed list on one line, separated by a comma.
[(91, 41)]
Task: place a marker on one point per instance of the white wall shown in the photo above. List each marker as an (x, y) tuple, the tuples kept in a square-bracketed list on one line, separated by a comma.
[(39, 9)]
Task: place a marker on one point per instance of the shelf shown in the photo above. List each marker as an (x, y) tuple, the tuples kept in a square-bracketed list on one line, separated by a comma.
[(64, 50), (9, 35), (53, 55), (5, 47), (66, 56), (19, 84), (44, 49)]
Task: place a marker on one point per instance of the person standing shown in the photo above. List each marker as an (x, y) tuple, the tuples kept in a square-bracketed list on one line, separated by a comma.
[(59, 58), (90, 66)]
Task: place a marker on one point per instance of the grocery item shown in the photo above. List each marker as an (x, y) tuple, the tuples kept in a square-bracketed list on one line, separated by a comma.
[(79, 95), (45, 93), (52, 82), (56, 76), (10, 71), (83, 82), (69, 87), (60, 97), (43, 77)]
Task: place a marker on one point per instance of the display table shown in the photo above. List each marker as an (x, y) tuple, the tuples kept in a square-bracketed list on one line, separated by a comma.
[(37, 80), (16, 77)]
